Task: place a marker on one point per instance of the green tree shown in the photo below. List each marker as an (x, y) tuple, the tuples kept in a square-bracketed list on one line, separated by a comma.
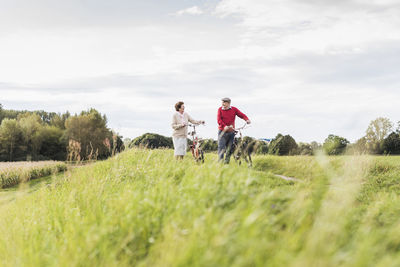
[(377, 131), (335, 145), (59, 120), (391, 144), (10, 139), (11, 114), (30, 125), (283, 145), (90, 130), (53, 146)]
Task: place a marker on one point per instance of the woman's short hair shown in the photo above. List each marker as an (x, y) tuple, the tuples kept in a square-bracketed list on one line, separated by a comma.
[(178, 105)]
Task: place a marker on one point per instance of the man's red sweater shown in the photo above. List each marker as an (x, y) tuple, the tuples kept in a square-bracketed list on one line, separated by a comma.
[(227, 117)]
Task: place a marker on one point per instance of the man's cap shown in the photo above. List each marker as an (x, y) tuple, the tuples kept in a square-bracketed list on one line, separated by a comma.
[(226, 99)]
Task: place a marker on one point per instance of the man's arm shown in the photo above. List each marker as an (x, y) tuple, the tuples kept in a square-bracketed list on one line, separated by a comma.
[(242, 115)]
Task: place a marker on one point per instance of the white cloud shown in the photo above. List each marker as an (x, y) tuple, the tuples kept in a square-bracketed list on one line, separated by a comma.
[(314, 26), (194, 10), (305, 68)]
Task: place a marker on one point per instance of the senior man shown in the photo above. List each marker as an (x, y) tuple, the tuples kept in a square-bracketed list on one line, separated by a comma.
[(226, 128)]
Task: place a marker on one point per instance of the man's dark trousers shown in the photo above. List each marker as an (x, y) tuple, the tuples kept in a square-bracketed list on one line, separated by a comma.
[(225, 142)]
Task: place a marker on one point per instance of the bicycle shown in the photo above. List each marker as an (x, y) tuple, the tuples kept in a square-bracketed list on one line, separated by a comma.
[(242, 148), (197, 152)]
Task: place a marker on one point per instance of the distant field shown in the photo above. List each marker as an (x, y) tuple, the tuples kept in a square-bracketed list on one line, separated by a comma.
[(142, 208), (12, 173)]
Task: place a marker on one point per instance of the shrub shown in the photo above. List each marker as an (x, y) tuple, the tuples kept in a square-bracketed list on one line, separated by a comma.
[(152, 141), (283, 145)]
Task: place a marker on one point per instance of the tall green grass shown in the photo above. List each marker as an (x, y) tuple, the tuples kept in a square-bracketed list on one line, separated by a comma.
[(142, 208)]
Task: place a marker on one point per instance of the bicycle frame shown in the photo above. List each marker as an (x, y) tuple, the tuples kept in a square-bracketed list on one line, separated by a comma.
[(197, 152), (240, 148), (239, 130)]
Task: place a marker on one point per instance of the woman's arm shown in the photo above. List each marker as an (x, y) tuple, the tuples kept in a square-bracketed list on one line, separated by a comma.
[(190, 119)]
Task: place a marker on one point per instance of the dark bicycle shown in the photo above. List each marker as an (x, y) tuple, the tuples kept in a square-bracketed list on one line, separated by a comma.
[(197, 152), (242, 147)]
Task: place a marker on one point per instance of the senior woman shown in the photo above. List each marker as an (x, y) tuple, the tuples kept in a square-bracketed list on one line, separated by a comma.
[(180, 126)]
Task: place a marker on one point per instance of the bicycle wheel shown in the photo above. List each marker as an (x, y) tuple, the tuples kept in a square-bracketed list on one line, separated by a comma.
[(193, 152), (201, 154)]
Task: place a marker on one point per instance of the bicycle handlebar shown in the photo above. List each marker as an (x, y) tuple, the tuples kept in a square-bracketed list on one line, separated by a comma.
[(193, 125), (245, 126)]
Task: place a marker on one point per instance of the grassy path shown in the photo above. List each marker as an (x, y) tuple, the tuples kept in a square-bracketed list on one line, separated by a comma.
[(287, 178), (20, 190), (10, 194)]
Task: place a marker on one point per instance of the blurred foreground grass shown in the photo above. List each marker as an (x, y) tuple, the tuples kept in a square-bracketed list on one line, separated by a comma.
[(143, 208)]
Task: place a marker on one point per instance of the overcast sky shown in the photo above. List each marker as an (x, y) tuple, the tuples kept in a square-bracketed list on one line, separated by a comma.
[(307, 68)]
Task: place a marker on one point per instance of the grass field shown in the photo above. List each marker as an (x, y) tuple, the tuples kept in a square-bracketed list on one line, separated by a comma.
[(142, 208)]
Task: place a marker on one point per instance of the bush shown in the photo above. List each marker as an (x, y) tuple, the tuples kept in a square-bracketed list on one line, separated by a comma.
[(283, 145), (152, 141)]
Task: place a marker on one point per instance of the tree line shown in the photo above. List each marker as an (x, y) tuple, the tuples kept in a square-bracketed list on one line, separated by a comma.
[(380, 138), (41, 135)]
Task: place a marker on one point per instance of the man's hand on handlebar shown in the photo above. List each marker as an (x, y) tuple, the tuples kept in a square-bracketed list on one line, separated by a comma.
[(228, 128)]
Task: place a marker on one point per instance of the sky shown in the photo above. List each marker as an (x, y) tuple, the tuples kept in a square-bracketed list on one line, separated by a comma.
[(307, 68)]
